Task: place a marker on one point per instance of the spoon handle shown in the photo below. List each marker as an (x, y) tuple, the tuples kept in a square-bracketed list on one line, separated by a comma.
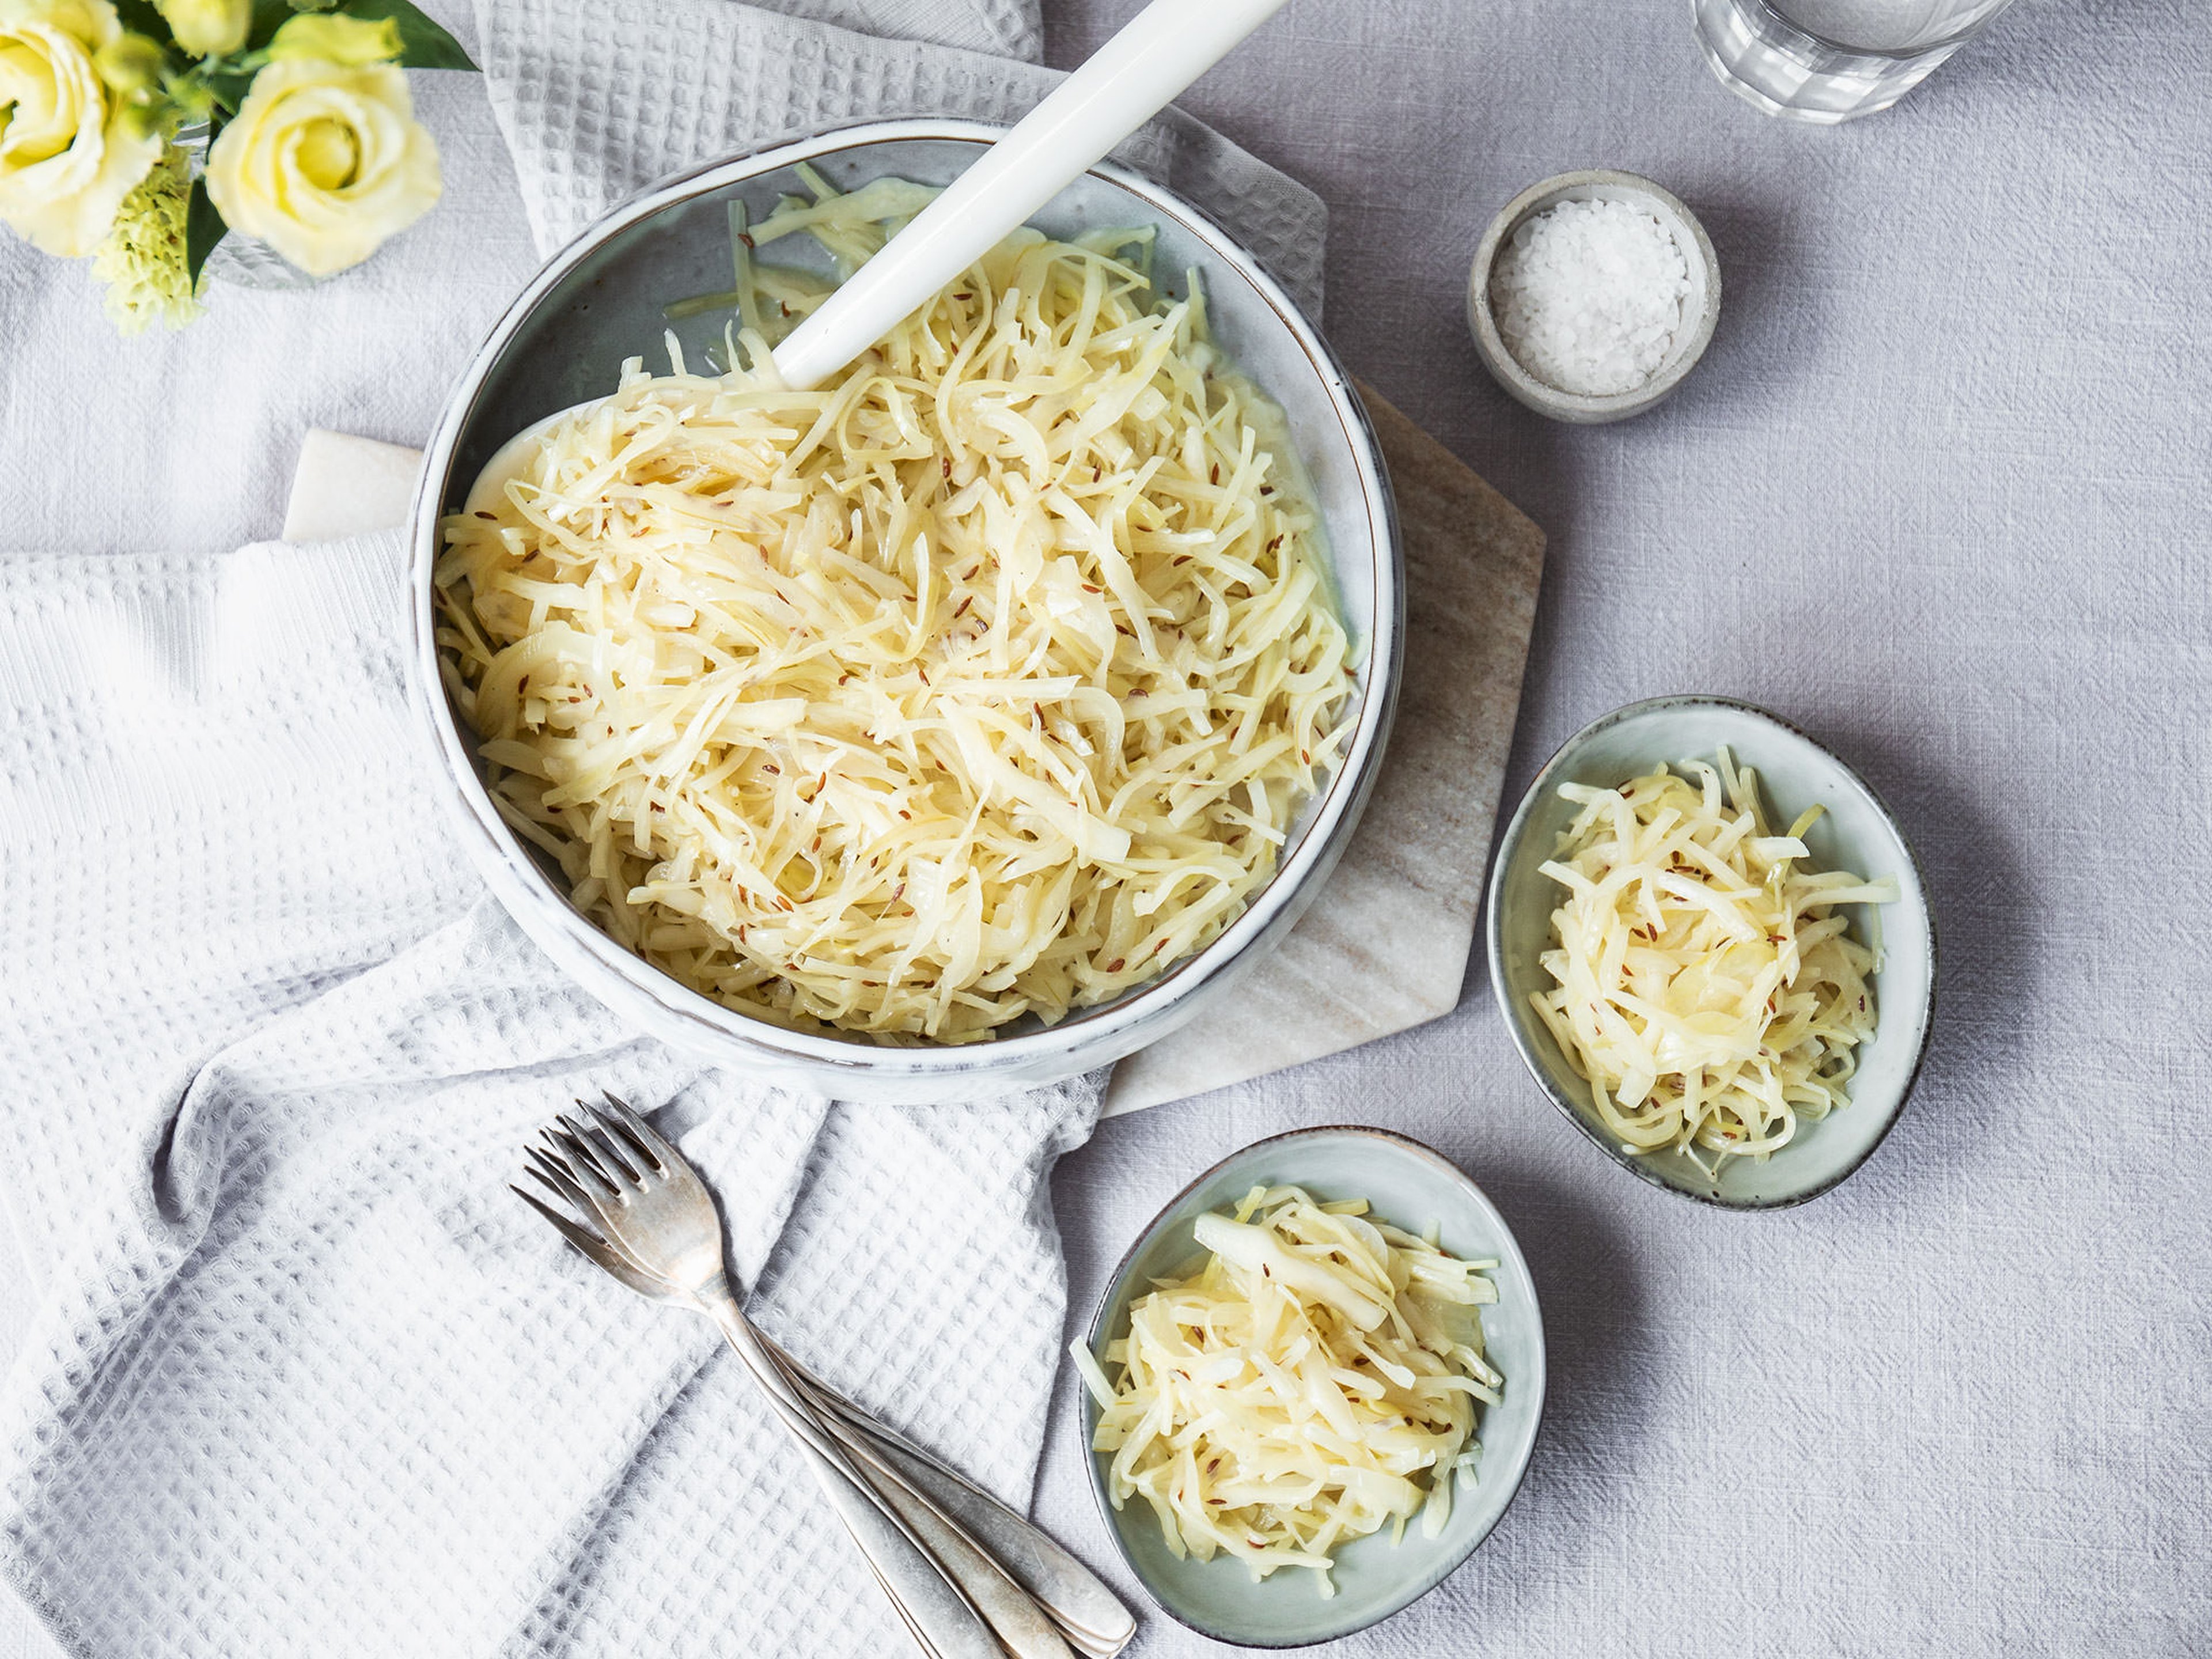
[(1121, 86)]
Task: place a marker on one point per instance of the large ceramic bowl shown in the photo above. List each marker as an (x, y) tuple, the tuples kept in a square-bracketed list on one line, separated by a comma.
[(1856, 833), (1409, 1185), (599, 301)]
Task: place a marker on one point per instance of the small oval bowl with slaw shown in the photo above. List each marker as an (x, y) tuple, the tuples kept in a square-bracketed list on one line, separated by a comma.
[(1854, 832), (1405, 1184)]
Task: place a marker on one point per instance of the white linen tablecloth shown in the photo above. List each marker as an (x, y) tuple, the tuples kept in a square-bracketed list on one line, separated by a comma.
[(1938, 493), (1941, 493)]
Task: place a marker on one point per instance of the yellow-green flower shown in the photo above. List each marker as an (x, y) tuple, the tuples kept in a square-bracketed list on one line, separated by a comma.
[(143, 261), (132, 65), (337, 40), (323, 161), (72, 146), (208, 28)]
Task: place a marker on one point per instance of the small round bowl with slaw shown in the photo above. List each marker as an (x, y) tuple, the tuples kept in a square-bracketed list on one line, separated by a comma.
[(602, 301), (1855, 831), (1406, 1185)]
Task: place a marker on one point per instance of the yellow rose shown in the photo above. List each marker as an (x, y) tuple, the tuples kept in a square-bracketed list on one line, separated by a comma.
[(71, 146), (208, 28), (324, 161)]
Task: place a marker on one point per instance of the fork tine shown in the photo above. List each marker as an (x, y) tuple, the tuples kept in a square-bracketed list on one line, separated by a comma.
[(613, 1125), (575, 1164), (594, 1248), (583, 1157), (585, 1207), (610, 1253), (607, 1213), (561, 1225), (608, 1148), (567, 1191), (608, 1145), (557, 1174), (663, 1152)]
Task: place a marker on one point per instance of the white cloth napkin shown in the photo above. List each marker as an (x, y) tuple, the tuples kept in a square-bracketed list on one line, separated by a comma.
[(306, 1380)]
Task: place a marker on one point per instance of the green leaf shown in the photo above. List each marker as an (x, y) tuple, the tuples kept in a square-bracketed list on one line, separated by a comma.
[(203, 228), (424, 44), (230, 87), (141, 17), (269, 16)]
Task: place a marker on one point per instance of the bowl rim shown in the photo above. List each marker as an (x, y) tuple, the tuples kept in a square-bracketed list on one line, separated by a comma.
[(1508, 1249), (1517, 1026), (635, 988), (1549, 399)]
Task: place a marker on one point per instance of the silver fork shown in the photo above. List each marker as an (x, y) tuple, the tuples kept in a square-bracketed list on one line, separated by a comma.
[(652, 1207), (957, 1563), (1089, 1615)]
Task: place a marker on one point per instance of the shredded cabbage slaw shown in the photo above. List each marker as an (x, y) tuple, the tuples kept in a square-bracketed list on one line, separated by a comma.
[(983, 682), (1317, 1380), (1703, 984)]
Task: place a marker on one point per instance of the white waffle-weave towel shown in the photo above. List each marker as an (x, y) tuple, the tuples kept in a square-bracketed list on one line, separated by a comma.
[(599, 101), (306, 1380)]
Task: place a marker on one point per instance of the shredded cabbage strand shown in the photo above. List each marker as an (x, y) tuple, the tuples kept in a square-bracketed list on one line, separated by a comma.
[(1314, 1383), (1704, 986), (984, 682)]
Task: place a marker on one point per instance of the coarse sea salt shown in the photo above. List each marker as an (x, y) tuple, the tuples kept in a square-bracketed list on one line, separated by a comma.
[(1587, 296)]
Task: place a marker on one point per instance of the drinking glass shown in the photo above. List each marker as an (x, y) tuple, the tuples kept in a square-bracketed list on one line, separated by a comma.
[(1831, 60)]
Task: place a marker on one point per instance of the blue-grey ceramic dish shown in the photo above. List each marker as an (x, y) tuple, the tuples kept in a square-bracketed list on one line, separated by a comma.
[(1411, 1186), (1856, 833)]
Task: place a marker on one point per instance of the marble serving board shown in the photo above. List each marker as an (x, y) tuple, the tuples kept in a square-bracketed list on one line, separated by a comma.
[(1385, 947)]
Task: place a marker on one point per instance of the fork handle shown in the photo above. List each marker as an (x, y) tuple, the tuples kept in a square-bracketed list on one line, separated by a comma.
[(936, 1615), (1025, 1630), (1022, 1626), (1077, 1598), (937, 1611), (1034, 1594)]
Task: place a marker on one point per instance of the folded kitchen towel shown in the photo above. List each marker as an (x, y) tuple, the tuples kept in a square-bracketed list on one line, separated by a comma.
[(304, 1380)]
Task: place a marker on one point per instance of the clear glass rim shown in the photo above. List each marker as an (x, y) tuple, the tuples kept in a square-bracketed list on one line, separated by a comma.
[(1788, 35)]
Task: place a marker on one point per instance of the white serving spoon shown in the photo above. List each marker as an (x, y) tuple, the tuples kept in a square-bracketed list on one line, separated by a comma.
[(1125, 83)]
